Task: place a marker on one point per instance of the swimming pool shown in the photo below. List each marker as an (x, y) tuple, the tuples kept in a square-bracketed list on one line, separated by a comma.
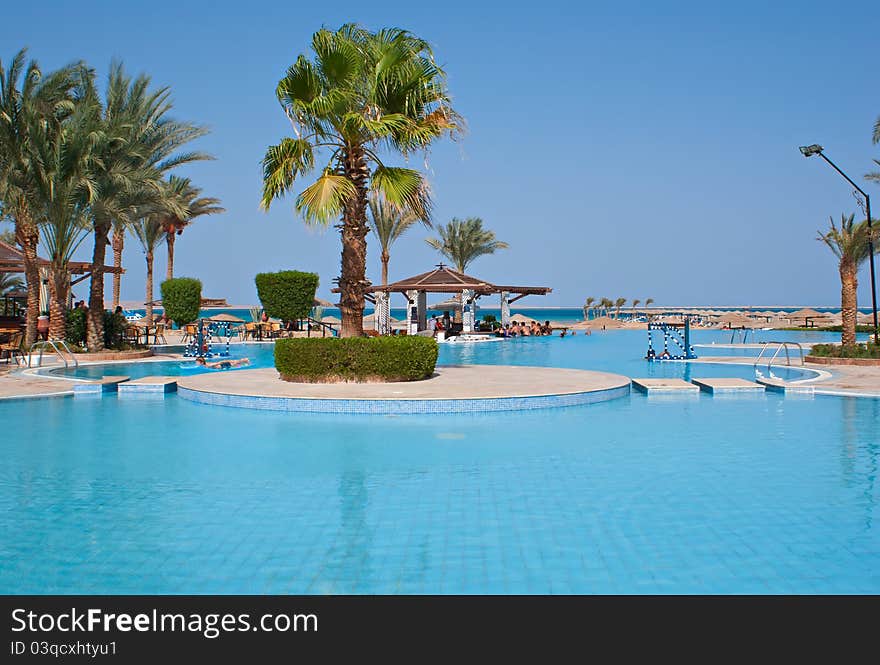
[(762, 494)]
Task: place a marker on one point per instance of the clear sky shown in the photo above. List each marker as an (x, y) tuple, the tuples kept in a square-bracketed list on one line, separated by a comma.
[(622, 149)]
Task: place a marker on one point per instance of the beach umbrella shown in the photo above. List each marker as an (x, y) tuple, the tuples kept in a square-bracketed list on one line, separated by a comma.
[(806, 314), (330, 319), (226, 318), (735, 319), (522, 318), (600, 322), (450, 304)]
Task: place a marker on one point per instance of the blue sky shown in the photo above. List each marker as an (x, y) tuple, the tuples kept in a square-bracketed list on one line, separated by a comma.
[(622, 149)]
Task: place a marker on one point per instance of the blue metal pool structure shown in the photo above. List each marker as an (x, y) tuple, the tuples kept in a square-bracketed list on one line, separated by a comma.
[(765, 493)]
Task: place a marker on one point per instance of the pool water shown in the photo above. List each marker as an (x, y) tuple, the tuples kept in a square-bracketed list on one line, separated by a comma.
[(759, 494)]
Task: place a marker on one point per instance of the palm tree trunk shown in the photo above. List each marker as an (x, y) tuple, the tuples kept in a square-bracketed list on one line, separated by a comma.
[(27, 235), (59, 290), (385, 258), (354, 246), (169, 272), (118, 246), (848, 301), (95, 315), (149, 294)]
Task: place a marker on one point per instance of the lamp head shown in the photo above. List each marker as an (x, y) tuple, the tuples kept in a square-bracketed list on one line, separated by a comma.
[(810, 150)]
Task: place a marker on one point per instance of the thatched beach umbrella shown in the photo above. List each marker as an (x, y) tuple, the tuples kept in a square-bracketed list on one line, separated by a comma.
[(806, 314), (605, 322), (226, 318), (522, 318), (736, 320), (330, 319)]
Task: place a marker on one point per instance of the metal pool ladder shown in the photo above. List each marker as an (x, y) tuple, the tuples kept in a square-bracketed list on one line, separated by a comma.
[(58, 346), (779, 347)]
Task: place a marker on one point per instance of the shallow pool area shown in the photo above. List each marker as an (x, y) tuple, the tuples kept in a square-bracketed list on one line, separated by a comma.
[(752, 494)]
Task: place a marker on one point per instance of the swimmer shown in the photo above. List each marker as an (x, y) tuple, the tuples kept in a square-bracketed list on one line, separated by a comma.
[(223, 364)]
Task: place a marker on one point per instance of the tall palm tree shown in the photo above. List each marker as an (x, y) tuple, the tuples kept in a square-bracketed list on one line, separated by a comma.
[(64, 190), (29, 102), (635, 303), (605, 304), (462, 241), (137, 144), (150, 231), (192, 206), (389, 223), (117, 244), (588, 307), (875, 176), (648, 303), (361, 93), (620, 302), (849, 242)]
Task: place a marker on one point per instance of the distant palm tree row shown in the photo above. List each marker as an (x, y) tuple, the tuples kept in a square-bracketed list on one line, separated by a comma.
[(74, 164), (605, 306)]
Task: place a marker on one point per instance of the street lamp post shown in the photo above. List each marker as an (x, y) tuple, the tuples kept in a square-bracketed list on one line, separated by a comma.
[(809, 151)]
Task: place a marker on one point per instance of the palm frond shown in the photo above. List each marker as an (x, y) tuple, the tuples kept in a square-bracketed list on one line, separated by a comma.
[(323, 201)]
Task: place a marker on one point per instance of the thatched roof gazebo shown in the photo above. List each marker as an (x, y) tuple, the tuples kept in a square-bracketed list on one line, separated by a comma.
[(443, 279)]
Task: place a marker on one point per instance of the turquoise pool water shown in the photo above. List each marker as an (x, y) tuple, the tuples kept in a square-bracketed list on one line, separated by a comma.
[(763, 494)]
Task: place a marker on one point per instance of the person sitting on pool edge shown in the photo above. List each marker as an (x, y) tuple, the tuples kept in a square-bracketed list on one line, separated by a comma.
[(228, 363)]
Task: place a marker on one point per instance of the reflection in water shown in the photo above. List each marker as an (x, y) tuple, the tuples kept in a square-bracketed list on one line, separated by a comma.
[(859, 448)]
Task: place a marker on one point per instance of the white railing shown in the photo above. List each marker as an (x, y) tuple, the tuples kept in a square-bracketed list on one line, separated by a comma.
[(780, 346), (58, 346)]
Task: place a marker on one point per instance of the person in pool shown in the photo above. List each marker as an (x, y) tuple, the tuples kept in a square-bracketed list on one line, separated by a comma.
[(223, 364)]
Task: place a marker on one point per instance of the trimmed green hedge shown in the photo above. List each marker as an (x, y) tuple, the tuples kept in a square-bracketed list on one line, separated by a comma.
[(357, 359), (287, 295), (850, 351), (182, 299)]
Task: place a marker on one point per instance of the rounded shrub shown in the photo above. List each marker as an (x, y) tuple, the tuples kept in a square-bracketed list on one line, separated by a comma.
[(182, 299), (287, 295), (355, 359)]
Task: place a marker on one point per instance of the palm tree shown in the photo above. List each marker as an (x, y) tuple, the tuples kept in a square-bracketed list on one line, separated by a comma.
[(137, 144), (648, 303), (9, 282), (620, 302), (875, 176), (150, 231), (635, 303), (462, 241), (117, 244), (588, 307), (192, 206), (389, 223), (849, 243), (29, 102), (362, 92), (64, 190), (605, 304)]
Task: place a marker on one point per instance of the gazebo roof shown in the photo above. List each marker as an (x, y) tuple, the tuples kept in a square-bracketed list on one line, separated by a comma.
[(12, 260), (444, 279)]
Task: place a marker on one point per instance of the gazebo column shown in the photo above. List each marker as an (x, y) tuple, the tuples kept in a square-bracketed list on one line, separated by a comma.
[(467, 311), (423, 310), (505, 308), (382, 319), (412, 312)]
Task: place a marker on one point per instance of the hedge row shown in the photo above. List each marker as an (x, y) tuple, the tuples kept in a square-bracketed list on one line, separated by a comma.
[(356, 359), (114, 327), (850, 351)]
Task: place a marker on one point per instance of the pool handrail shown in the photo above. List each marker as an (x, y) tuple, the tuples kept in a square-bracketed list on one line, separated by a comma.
[(779, 347), (54, 343)]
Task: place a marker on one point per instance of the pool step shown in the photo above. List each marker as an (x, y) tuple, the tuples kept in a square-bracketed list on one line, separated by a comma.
[(97, 387), (728, 386), (148, 386), (665, 387), (780, 386)]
